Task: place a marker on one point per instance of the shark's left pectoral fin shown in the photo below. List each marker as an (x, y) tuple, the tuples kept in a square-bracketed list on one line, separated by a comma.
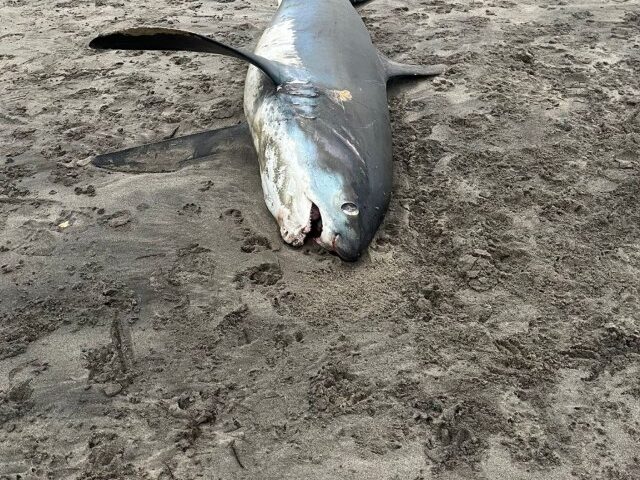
[(402, 70), (179, 40), (176, 153)]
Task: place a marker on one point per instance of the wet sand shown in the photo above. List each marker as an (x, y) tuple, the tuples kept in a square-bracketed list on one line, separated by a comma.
[(155, 326)]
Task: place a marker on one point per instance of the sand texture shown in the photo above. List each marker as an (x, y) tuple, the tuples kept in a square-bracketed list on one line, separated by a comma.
[(155, 326)]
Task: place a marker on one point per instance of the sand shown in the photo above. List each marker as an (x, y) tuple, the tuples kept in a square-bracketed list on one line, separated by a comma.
[(155, 326)]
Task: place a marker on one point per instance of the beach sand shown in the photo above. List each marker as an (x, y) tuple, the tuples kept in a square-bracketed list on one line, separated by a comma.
[(155, 326)]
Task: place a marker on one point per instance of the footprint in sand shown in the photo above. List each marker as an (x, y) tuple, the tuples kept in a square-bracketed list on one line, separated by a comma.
[(265, 274), (252, 242)]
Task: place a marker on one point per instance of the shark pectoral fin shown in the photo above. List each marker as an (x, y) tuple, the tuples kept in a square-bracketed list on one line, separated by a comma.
[(399, 70), (179, 40), (176, 153)]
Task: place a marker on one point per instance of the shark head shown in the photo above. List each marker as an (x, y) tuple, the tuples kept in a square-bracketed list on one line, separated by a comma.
[(315, 177)]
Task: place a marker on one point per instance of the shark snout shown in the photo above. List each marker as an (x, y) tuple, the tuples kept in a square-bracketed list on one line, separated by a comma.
[(341, 245), (349, 251)]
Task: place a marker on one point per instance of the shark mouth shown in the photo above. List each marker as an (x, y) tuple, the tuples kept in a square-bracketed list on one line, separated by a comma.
[(315, 223), (311, 232)]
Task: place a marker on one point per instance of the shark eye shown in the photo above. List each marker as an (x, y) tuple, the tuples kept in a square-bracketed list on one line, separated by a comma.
[(350, 209)]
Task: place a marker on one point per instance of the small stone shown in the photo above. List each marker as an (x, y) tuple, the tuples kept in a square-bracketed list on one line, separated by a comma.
[(478, 252), (119, 221), (84, 162), (111, 389), (624, 164)]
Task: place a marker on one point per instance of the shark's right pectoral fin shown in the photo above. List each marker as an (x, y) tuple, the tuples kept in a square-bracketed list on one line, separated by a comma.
[(179, 40), (176, 153)]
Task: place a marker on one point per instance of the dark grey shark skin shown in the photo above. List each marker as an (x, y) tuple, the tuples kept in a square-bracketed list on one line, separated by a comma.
[(316, 106)]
